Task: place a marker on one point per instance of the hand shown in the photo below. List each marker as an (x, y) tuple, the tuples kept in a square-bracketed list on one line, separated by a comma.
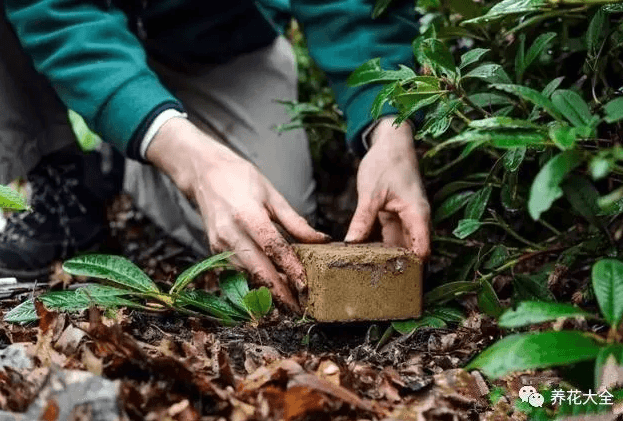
[(389, 187), (239, 206)]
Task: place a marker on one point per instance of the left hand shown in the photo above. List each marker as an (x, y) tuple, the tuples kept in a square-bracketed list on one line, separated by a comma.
[(389, 187)]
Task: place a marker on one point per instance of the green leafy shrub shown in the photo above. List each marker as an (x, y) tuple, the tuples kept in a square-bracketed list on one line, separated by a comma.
[(128, 286), (523, 351)]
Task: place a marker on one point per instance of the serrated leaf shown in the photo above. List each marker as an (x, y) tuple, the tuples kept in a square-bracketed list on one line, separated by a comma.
[(466, 227), (11, 199), (488, 301), (452, 205), (405, 327), (235, 288), (532, 312), (371, 72), (607, 277), (573, 107), (23, 313), (472, 56), (535, 50), (478, 203), (381, 98), (217, 261), (259, 301), (530, 95), (583, 197), (513, 158), (503, 123), (546, 185), (447, 292), (614, 110), (492, 73), (379, 7), (212, 305), (535, 350), (439, 55), (65, 300)]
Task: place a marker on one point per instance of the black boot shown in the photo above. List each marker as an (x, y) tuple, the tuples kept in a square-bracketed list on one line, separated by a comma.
[(68, 212)]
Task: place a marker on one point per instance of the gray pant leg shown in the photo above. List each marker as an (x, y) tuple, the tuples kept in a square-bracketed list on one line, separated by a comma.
[(33, 121), (236, 103)]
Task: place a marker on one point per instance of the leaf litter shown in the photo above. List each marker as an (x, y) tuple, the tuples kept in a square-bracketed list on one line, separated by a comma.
[(163, 367)]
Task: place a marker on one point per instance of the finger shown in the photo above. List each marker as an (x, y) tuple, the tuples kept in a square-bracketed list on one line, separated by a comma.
[(363, 221), (295, 224), (249, 256), (417, 225), (392, 230), (264, 233)]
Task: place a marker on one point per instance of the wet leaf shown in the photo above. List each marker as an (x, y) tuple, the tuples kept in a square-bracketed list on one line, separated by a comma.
[(477, 203), (513, 158), (492, 73), (466, 228), (472, 56)]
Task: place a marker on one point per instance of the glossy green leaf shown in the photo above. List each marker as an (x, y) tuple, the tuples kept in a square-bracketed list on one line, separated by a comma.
[(23, 313), (10, 199), (379, 7), (212, 305), (408, 109), (530, 95), (488, 301), (546, 185), (607, 277), (447, 314), (259, 301), (472, 56), (507, 8), (452, 205), (503, 123), (583, 197), (478, 203), (535, 50), (532, 312), (614, 110), (492, 73), (447, 292), (382, 97), (371, 72), (513, 158), (65, 300), (551, 87), (516, 138), (235, 288), (535, 350), (220, 260), (103, 295), (466, 227), (573, 107), (116, 269), (439, 55), (405, 327), (439, 120)]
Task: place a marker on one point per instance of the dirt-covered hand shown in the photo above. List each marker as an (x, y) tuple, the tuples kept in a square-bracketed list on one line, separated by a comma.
[(389, 187), (239, 206)]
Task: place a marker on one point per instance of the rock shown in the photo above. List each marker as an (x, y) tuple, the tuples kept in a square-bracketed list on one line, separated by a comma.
[(361, 282)]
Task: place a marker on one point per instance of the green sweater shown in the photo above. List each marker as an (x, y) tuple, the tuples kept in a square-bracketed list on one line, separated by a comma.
[(94, 51)]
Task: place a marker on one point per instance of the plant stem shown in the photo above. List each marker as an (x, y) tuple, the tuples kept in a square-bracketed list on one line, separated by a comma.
[(462, 117), (549, 226), (502, 224), (471, 103)]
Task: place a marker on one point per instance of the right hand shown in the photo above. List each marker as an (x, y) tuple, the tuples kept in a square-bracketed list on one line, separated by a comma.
[(239, 206)]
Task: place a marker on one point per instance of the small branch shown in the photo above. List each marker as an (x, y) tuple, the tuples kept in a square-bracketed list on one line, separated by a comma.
[(471, 103)]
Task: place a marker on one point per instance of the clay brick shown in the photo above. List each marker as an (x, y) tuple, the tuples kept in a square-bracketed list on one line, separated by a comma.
[(361, 282)]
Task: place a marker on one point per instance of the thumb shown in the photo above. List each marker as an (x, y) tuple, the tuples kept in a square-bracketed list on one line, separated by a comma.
[(363, 221)]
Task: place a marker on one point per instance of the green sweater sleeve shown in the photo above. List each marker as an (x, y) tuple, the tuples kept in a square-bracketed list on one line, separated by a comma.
[(342, 35), (95, 64)]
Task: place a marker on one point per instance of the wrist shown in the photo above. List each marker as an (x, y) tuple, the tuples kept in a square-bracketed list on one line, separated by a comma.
[(386, 133)]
